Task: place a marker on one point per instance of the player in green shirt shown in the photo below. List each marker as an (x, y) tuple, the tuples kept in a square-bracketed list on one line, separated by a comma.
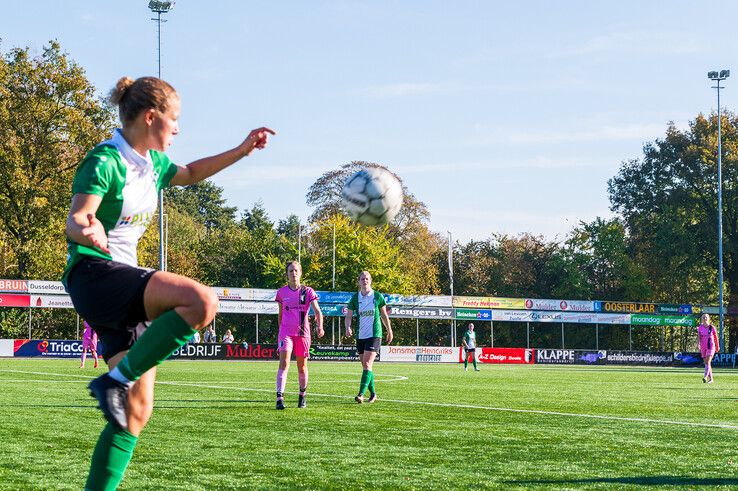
[(370, 307), (141, 316), (469, 343)]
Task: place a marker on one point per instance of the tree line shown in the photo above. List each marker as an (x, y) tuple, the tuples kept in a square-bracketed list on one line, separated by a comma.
[(661, 245)]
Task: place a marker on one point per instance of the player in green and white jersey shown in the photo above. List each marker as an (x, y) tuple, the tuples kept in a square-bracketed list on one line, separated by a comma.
[(141, 316), (370, 307), (469, 343)]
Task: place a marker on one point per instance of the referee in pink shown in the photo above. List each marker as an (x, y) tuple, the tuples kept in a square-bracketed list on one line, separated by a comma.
[(89, 342), (295, 300)]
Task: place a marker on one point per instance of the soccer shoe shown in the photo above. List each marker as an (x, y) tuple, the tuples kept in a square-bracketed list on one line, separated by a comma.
[(476, 369), (466, 369), (301, 402), (709, 380), (112, 397), (95, 365), (704, 380), (359, 398), (372, 398), (280, 403)]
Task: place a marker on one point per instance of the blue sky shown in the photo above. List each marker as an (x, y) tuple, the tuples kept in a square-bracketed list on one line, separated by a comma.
[(502, 117)]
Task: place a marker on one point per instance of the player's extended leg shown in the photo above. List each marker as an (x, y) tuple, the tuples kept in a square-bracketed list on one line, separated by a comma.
[(178, 306), (284, 365), (367, 361), (84, 356), (709, 369), (302, 375), (466, 360), (94, 355), (115, 445), (474, 360)]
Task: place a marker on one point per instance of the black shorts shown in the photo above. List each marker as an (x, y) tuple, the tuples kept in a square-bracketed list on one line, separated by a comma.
[(469, 350), (110, 297), (368, 344)]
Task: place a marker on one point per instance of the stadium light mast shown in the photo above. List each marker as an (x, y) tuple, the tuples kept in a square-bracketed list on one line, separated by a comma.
[(159, 8), (719, 77)]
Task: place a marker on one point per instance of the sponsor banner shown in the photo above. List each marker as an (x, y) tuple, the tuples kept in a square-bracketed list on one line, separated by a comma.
[(481, 315), (505, 355), (420, 354), (10, 300), (625, 307), (419, 300), (674, 309), (613, 318), (20, 286), (334, 297), (579, 317), (334, 353), (57, 348), (240, 351), (639, 358), (685, 320), (564, 305), (547, 316), (706, 309), (646, 320), (331, 310), (237, 307), (719, 360), (6, 347), (420, 312), (52, 301), (489, 303), (569, 357), (512, 315), (252, 294), (52, 287)]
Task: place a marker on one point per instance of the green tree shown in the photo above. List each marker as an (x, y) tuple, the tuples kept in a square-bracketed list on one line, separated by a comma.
[(49, 118), (668, 201), (203, 201)]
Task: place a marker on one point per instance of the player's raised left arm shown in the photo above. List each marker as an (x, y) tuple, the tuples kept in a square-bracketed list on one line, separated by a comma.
[(203, 168)]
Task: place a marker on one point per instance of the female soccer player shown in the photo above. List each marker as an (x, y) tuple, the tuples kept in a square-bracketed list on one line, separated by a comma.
[(469, 343), (294, 302), (142, 316), (709, 345), (371, 310), (89, 342)]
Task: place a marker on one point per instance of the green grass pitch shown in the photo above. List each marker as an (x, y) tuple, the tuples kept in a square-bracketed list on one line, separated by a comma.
[(434, 427)]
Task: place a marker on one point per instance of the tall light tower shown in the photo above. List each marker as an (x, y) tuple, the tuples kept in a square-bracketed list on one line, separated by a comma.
[(719, 77), (160, 7)]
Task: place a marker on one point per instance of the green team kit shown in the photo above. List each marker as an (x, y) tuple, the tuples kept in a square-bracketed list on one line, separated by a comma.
[(470, 345), (369, 332)]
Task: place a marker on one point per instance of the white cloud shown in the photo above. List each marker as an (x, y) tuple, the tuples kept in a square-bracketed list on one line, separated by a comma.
[(633, 42)]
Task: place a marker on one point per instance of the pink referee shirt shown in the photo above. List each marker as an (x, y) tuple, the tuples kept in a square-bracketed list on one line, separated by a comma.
[(295, 310)]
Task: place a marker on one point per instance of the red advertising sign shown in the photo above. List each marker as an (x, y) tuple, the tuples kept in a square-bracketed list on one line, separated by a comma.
[(10, 300), (507, 355), (13, 286)]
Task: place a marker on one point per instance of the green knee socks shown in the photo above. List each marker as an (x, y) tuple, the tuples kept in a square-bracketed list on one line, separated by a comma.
[(112, 454)]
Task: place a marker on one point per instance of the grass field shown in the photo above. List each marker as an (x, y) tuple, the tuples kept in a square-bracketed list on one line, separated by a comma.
[(434, 427)]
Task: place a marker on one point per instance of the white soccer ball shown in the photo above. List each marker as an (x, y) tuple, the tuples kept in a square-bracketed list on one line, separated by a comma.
[(372, 196)]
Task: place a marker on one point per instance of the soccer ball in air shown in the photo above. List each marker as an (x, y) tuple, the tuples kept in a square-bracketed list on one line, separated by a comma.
[(372, 196)]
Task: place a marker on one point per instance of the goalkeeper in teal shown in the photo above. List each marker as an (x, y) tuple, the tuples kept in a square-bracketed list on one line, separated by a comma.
[(371, 310), (469, 343), (141, 316)]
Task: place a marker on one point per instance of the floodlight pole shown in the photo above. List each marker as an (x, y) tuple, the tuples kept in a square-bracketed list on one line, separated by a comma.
[(718, 77), (160, 8)]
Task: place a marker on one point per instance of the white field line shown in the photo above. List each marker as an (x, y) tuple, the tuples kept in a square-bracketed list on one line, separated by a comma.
[(439, 404)]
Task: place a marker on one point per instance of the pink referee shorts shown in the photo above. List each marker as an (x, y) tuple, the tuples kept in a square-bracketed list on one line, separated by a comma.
[(299, 345)]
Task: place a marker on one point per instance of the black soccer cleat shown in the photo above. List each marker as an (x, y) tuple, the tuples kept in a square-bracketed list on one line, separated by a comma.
[(301, 402), (372, 398), (280, 403), (112, 397)]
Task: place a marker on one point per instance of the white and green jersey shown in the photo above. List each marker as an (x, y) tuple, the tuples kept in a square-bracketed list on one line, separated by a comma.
[(470, 338), (128, 184), (366, 308)]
